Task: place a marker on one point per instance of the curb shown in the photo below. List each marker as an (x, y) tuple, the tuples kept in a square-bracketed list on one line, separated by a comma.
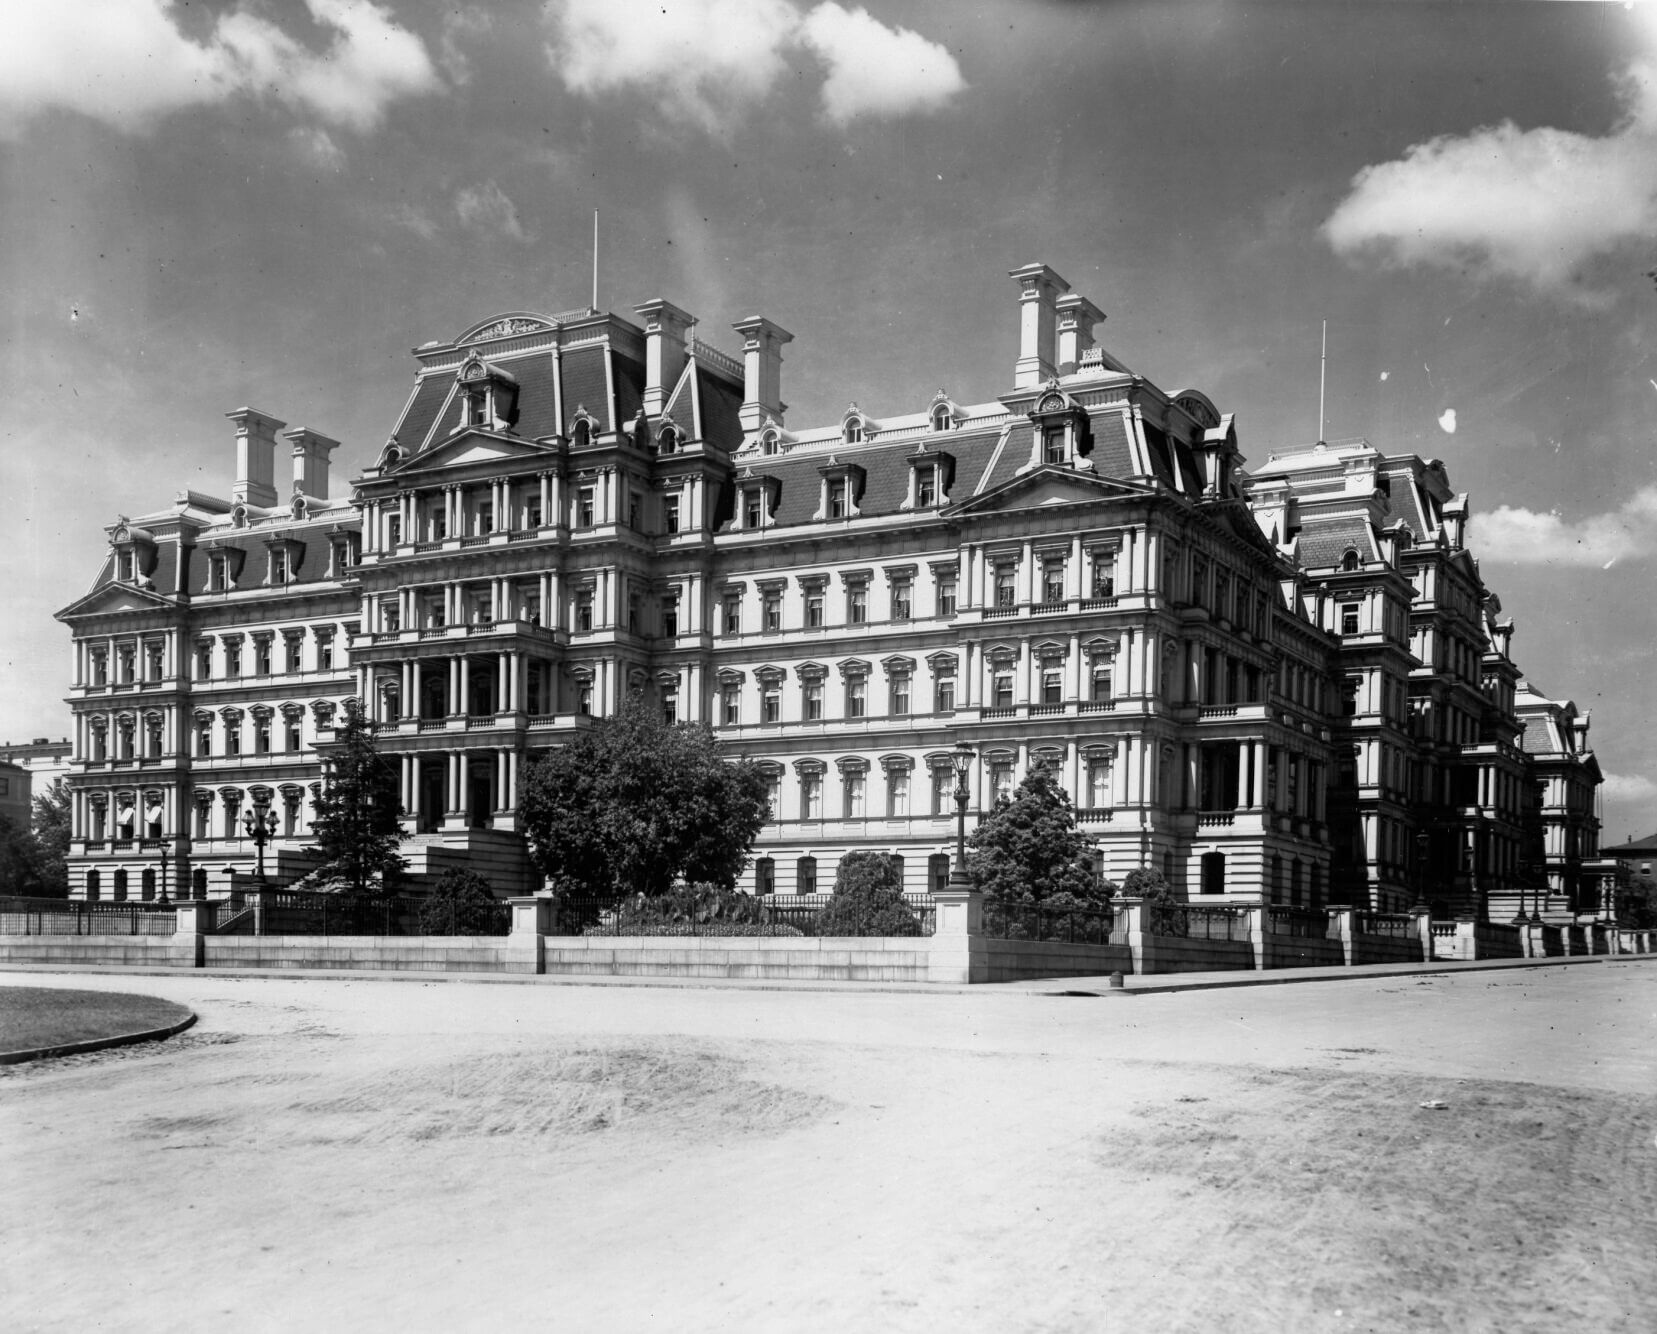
[(97, 1044)]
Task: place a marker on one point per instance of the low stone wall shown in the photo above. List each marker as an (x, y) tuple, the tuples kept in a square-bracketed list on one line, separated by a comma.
[(1174, 954), (1017, 960), (794, 958), (80, 951), (417, 954), (1279, 951), (1368, 948)]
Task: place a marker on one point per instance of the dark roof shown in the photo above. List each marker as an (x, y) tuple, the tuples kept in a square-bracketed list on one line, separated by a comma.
[(1324, 544), (537, 398), (629, 381), (418, 420), (584, 385), (720, 421), (1639, 845), (1112, 456)]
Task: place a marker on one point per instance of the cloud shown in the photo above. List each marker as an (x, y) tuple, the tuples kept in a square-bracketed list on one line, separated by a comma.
[(127, 63), (1628, 787), (1526, 537), (467, 21), (708, 63), (875, 70), (487, 208), (1531, 206), (317, 147), (413, 219), (1447, 421)]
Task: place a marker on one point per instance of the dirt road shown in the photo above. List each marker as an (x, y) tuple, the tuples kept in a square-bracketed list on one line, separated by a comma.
[(375, 1154)]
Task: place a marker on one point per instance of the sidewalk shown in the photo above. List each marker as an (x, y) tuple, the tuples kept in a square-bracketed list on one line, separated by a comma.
[(1092, 985)]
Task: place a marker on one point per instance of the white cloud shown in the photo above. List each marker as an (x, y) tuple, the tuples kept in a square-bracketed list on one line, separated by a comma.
[(1526, 537), (709, 62), (466, 21), (1533, 206), (127, 62), (487, 208), (317, 147), (1628, 787), (1447, 421), (413, 219), (875, 70)]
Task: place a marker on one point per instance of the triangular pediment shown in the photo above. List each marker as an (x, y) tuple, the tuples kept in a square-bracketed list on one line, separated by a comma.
[(115, 599), (470, 447), (1238, 520), (1050, 485)]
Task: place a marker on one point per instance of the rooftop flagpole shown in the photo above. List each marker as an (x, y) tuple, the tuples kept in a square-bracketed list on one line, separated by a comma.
[(1323, 365), (595, 261)]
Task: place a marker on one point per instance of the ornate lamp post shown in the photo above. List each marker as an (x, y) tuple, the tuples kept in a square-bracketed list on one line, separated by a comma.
[(164, 845), (260, 824), (1422, 841), (961, 759)]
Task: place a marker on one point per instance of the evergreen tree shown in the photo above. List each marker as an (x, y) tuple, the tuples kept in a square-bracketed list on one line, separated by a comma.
[(19, 860), (463, 904), (867, 900), (1028, 849), (51, 832), (635, 803), (358, 816)]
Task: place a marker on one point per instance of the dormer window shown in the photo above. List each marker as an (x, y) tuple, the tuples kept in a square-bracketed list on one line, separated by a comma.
[(757, 499), (668, 440), (769, 443), (278, 565), (1062, 432), (752, 509), (931, 474), (852, 431), (1349, 559), (842, 489), (837, 499), (135, 553), (489, 395), (942, 419), (128, 571)]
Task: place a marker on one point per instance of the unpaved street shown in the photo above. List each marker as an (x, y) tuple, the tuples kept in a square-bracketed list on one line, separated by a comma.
[(391, 1154)]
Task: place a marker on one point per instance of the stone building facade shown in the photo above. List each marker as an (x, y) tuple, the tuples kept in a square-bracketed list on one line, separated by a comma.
[(1076, 572)]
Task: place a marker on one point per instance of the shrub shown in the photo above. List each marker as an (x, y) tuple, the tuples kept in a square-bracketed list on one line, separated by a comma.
[(687, 910), (867, 900), (461, 905)]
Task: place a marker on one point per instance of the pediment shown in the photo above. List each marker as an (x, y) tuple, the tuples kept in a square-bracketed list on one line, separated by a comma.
[(115, 599), (469, 447), (1050, 485)]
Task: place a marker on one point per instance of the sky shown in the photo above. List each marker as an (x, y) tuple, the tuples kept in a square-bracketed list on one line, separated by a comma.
[(221, 203)]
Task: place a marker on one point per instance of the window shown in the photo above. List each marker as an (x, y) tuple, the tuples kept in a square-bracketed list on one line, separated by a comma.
[(768, 443), (204, 813), (902, 599), (261, 736), (730, 705), (1098, 783), (852, 433), (813, 698), (391, 617), (1006, 589), (532, 514), (670, 513), (937, 872), (946, 595), (152, 737), (1052, 685), (943, 695), (857, 697), (1104, 575), (811, 799), (584, 498), (814, 609), (765, 869), (295, 654), (897, 793), (584, 698), (121, 886), (100, 744), (900, 695), (583, 610), (1052, 443), (1213, 873), (232, 657), (1052, 582), (668, 441), (279, 566), (204, 739), (771, 607), (486, 518), (773, 796), (770, 702), (1349, 618), (1001, 780), (634, 506), (857, 605), (853, 786), (943, 788), (128, 572), (324, 652), (926, 486), (1349, 696), (232, 736), (751, 509), (261, 657), (393, 529), (1001, 690), (670, 616), (100, 668), (940, 417), (232, 809), (837, 499), (732, 614), (153, 659), (440, 526), (1101, 689), (124, 659), (805, 875)]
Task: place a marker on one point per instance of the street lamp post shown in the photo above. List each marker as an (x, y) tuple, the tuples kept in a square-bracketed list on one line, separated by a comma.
[(961, 758), (1422, 842), (260, 824), (164, 845)]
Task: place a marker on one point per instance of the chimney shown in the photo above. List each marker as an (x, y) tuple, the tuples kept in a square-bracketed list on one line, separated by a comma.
[(310, 461), (1038, 288), (1076, 318), (255, 457), (762, 343), (664, 350)]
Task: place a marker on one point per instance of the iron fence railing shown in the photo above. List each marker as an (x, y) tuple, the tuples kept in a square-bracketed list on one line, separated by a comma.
[(764, 915), (1197, 923), (77, 917), (1306, 923), (287, 912), (1008, 920), (1383, 924)]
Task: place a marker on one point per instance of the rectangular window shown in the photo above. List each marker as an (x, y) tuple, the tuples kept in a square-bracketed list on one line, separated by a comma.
[(1104, 574), (261, 657), (128, 573), (900, 696), (1052, 582), (634, 506), (295, 655), (1006, 587), (837, 500), (1349, 618), (393, 529), (291, 736), (584, 507), (584, 698), (751, 509), (232, 738), (857, 605), (100, 669), (771, 605), (232, 658), (152, 662), (279, 566), (325, 653), (854, 795), (811, 800), (731, 706), (440, 526), (584, 610), (670, 513), (391, 617), (765, 876), (770, 704), (813, 694), (204, 739), (732, 615), (814, 610), (902, 598), (805, 875), (1002, 690), (1101, 683), (1052, 686), (773, 799), (670, 705), (926, 487), (943, 789), (857, 697), (1052, 444), (946, 596), (532, 514), (486, 519), (1001, 780), (944, 695), (670, 618), (897, 793), (1098, 784), (261, 737)]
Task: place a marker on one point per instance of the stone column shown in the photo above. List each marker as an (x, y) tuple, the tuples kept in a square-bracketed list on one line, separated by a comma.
[(532, 922), (465, 684)]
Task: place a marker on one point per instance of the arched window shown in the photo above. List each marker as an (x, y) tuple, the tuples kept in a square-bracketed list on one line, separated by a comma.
[(147, 891), (120, 886), (581, 433), (852, 432), (94, 886), (937, 872), (198, 882), (668, 440), (768, 443), (1349, 559), (941, 419), (1213, 873), (805, 875), (765, 876)]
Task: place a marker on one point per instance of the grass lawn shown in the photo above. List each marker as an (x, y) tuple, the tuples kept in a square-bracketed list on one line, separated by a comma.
[(32, 1017)]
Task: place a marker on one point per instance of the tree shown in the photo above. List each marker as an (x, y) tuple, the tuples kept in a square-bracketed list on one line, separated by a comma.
[(1028, 849), (52, 816), (358, 824), (19, 859), (1635, 904), (1164, 913), (461, 905), (867, 900), (634, 803)]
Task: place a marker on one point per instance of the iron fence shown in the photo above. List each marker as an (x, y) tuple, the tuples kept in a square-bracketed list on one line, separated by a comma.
[(1201, 923), (1009, 920), (764, 915), (1383, 924), (288, 912), (1305, 923), (77, 917)]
